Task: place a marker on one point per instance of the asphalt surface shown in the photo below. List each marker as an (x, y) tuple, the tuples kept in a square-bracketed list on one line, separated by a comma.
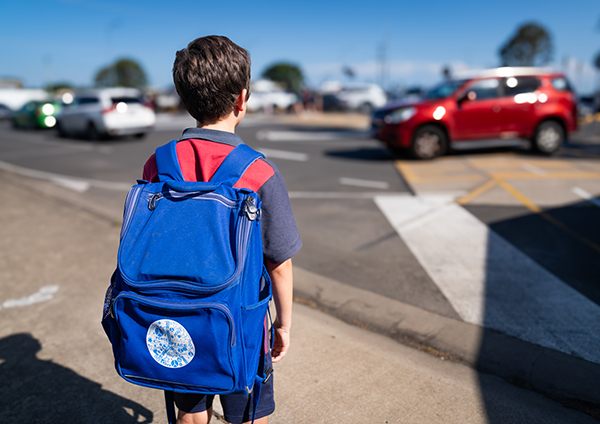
[(56, 363), (483, 267)]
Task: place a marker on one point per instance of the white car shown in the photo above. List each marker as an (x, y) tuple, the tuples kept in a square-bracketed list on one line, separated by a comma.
[(267, 96), (105, 112), (360, 97)]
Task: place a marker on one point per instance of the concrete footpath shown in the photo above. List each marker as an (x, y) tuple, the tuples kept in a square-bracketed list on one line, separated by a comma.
[(56, 259)]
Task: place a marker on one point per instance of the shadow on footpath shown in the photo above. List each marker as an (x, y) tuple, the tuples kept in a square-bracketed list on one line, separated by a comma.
[(528, 339), (39, 391)]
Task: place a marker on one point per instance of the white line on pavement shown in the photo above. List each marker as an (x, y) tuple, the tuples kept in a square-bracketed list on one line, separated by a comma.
[(310, 135), (585, 195), (77, 184), (491, 283), (364, 183), (283, 154), (534, 169), (42, 295), (340, 194)]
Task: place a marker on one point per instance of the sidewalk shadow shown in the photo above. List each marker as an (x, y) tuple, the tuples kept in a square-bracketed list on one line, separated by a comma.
[(39, 391), (541, 287)]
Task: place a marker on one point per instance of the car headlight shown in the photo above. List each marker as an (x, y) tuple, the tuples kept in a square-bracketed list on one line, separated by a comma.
[(48, 109), (400, 115)]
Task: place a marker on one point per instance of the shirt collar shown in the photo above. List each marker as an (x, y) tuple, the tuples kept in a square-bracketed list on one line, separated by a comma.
[(211, 135)]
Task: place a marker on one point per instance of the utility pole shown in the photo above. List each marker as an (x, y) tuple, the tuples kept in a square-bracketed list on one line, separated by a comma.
[(381, 60)]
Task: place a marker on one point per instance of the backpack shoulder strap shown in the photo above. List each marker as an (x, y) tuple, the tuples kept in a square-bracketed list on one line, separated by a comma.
[(167, 163), (235, 164)]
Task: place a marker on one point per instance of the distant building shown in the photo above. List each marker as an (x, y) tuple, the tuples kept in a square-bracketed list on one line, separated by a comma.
[(15, 98)]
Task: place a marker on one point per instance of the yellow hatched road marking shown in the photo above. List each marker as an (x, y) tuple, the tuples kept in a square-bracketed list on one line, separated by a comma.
[(490, 163), (450, 178), (536, 209), (476, 193), (406, 170), (527, 175)]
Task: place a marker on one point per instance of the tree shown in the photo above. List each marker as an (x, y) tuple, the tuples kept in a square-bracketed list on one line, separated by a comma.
[(530, 46), (124, 73), (287, 74)]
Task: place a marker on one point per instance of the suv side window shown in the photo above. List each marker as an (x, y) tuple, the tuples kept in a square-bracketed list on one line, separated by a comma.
[(87, 100), (484, 89), (561, 84), (129, 100), (518, 85)]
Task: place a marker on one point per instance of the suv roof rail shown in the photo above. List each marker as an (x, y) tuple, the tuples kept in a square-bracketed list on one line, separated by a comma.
[(505, 71)]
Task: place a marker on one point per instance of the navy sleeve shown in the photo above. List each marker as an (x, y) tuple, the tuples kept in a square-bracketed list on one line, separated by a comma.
[(281, 239)]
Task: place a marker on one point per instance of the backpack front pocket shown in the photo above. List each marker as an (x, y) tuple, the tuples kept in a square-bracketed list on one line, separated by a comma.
[(175, 345)]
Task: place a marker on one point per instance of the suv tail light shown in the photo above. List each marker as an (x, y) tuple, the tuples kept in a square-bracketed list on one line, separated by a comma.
[(109, 109), (120, 107)]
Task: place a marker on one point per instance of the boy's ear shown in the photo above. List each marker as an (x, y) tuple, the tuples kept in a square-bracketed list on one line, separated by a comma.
[(241, 101)]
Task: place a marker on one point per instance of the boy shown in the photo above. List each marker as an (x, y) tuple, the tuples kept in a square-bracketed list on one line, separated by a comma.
[(212, 78)]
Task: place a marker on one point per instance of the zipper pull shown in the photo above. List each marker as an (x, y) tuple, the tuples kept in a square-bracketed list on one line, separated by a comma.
[(250, 209), (153, 200)]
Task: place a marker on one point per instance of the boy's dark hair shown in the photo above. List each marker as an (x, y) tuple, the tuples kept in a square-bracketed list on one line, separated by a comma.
[(209, 75)]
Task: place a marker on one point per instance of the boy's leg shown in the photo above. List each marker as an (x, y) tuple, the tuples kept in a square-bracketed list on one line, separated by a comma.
[(193, 408), (195, 417)]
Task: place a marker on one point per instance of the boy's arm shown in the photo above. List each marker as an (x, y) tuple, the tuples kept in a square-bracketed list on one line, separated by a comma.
[(283, 295)]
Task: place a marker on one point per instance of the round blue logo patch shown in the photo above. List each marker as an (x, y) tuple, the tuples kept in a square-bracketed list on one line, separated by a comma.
[(170, 344)]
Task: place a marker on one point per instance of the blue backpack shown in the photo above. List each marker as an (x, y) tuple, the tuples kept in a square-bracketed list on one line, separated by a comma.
[(186, 308)]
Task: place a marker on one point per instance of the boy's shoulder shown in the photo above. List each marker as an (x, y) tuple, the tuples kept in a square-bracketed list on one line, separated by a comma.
[(201, 152)]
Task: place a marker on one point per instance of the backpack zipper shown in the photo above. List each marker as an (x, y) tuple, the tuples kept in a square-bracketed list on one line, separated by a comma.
[(130, 203)]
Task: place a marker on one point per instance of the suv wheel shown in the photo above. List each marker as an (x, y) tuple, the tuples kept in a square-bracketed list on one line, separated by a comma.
[(428, 142), (92, 133), (60, 131), (366, 108), (548, 137)]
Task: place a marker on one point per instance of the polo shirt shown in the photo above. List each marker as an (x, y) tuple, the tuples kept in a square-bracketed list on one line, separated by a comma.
[(201, 151)]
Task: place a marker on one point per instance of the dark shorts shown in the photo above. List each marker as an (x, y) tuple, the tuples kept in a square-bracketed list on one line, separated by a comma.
[(237, 408)]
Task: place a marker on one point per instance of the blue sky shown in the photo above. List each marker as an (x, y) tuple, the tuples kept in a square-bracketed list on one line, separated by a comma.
[(69, 40)]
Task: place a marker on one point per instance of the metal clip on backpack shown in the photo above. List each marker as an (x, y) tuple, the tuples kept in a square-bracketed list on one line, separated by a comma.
[(186, 308)]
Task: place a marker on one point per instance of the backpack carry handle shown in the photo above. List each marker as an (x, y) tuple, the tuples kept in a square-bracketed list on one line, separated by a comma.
[(235, 164), (167, 163), (191, 187)]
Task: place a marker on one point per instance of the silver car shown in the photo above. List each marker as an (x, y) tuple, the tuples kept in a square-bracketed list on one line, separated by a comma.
[(105, 112)]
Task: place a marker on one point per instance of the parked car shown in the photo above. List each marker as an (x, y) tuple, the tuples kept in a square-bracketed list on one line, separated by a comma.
[(267, 96), (106, 112), (363, 98), (36, 114), (5, 112), (499, 107)]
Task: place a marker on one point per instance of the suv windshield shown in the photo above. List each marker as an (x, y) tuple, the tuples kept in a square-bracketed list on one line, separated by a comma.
[(129, 100), (444, 90)]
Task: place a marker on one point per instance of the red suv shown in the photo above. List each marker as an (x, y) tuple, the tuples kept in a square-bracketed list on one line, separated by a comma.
[(500, 107)]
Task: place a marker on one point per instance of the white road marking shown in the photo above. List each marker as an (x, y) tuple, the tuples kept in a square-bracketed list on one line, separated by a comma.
[(283, 154), (309, 135), (340, 194), (534, 169), (77, 184), (585, 195), (364, 183), (42, 295), (491, 283)]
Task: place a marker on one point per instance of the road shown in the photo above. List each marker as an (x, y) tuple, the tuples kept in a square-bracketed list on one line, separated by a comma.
[(500, 239)]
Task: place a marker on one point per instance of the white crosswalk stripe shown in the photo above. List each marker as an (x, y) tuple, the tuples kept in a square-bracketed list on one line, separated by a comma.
[(491, 283)]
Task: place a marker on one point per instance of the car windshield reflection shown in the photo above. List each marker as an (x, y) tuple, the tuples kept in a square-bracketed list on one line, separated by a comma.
[(444, 89)]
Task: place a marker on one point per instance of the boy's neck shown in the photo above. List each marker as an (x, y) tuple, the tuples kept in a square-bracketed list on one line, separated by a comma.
[(227, 124)]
